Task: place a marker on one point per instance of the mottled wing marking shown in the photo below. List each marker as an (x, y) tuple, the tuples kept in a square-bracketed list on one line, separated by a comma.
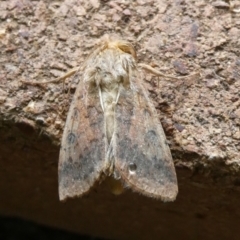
[(142, 156), (82, 153)]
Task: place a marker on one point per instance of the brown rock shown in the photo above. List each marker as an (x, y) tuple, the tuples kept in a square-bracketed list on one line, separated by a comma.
[(41, 40)]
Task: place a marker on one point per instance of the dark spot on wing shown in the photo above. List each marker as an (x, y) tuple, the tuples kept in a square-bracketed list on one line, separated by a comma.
[(132, 167), (157, 166), (151, 136), (71, 138), (75, 112), (147, 113)]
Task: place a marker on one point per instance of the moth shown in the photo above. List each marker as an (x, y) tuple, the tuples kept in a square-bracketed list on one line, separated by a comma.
[(112, 130)]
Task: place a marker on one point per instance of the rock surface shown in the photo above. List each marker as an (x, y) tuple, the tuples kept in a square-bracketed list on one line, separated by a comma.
[(41, 40)]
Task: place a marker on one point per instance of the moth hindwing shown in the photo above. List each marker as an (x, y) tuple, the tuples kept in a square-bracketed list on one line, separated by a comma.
[(112, 129)]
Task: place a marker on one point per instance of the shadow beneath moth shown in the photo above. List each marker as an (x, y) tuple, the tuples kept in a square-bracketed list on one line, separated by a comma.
[(112, 130)]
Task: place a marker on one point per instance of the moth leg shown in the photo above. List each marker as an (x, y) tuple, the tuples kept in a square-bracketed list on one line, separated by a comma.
[(110, 158), (100, 97), (110, 154), (117, 97), (109, 161), (110, 129)]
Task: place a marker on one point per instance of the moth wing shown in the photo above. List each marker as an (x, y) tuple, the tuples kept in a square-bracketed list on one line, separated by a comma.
[(142, 156), (82, 153)]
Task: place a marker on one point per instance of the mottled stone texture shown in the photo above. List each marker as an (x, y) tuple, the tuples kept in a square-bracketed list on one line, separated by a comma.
[(41, 40)]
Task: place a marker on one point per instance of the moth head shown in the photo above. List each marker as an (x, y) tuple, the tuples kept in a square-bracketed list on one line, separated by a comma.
[(113, 42), (124, 46)]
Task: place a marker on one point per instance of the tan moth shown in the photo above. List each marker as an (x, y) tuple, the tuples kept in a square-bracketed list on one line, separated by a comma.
[(112, 129)]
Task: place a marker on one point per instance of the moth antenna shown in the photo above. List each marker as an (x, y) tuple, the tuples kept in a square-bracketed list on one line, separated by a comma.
[(62, 78), (160, 74)]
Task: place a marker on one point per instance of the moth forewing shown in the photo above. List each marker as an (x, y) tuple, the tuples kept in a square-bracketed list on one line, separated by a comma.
[(142, 156), (82, 153)]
